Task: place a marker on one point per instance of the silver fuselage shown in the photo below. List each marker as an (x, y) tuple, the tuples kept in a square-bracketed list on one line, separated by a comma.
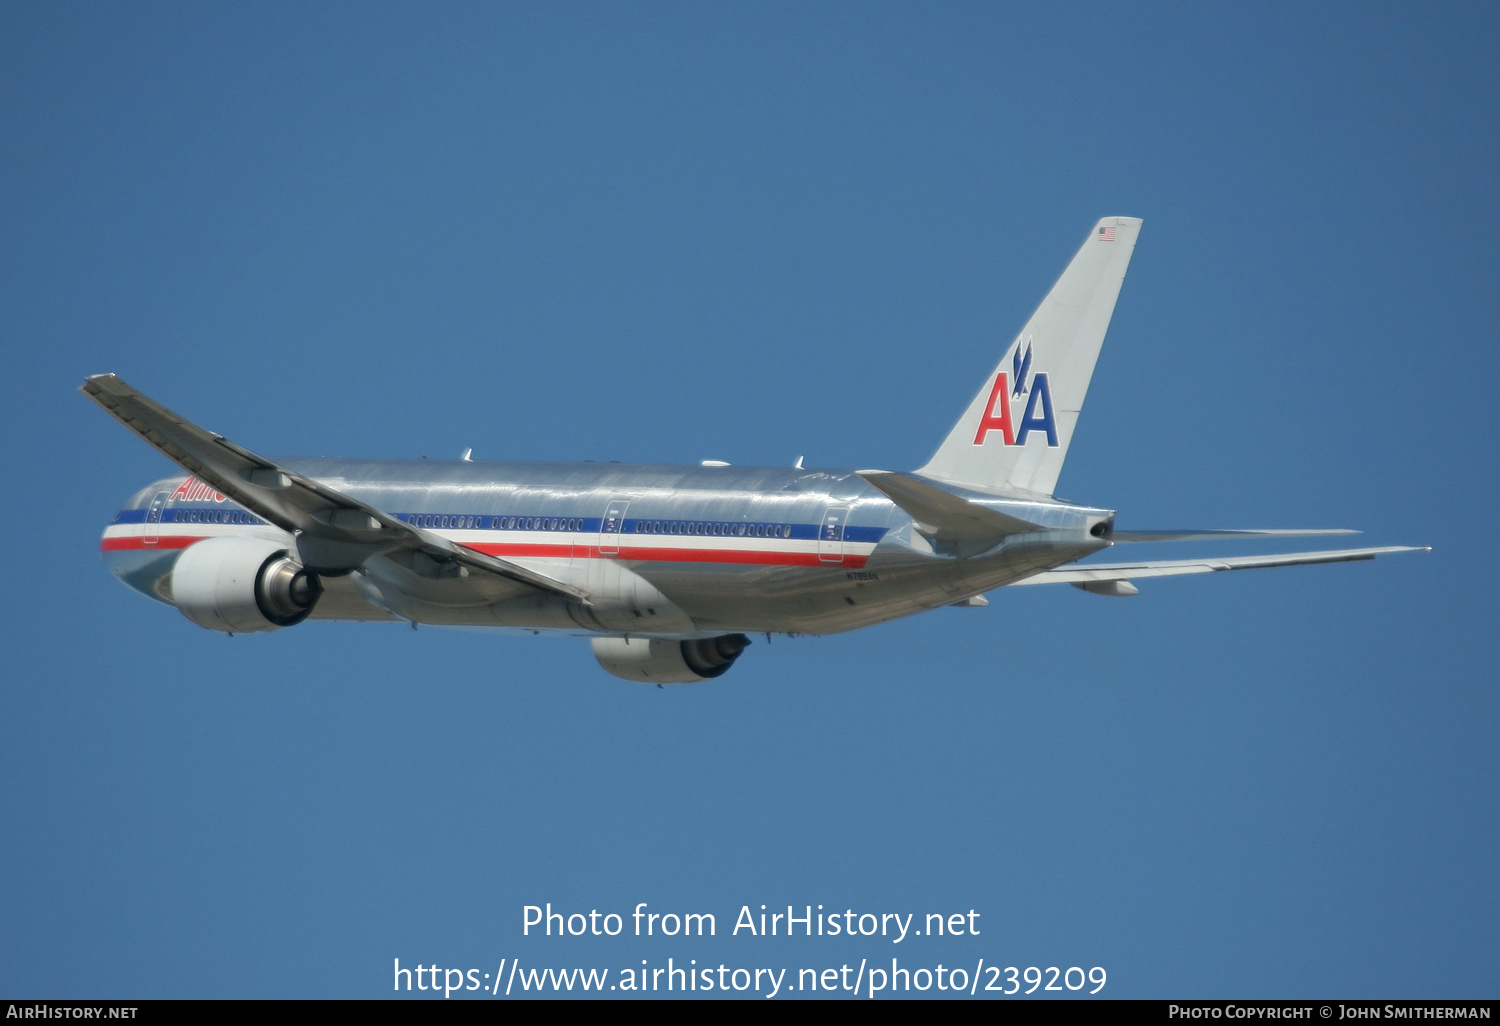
[(665, 551)]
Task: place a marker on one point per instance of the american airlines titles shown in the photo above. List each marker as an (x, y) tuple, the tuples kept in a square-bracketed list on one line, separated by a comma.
[(193, 490)]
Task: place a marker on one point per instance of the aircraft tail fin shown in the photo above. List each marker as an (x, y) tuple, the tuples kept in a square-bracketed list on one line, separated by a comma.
[(1015, 433)]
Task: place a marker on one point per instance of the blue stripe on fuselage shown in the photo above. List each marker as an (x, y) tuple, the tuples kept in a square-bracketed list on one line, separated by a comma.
[(193, 515)]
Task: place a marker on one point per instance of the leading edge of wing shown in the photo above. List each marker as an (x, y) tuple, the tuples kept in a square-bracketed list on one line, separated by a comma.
[(294, 503), (1176, 567)]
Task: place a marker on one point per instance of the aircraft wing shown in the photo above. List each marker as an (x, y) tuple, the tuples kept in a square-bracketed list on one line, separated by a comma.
[(1089, 573), (342, 530)]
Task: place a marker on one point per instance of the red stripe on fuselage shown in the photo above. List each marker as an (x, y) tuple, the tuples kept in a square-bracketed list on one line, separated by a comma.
[(166, 541), (643, 554)]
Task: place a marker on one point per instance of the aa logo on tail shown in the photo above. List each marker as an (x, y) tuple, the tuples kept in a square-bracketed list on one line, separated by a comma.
[(1038, 413)]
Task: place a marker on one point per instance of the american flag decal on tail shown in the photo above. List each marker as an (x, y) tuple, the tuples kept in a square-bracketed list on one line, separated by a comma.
[(1107, 234)]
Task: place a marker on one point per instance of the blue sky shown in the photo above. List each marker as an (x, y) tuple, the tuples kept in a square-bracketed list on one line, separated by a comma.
[(749, 232)]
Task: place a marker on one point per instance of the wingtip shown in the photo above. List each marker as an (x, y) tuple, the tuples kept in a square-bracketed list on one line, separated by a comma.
[(98, 382)]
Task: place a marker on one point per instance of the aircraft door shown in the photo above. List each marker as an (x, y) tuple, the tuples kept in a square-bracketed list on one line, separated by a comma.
[(153, 518), (831, 535), (610, 526)]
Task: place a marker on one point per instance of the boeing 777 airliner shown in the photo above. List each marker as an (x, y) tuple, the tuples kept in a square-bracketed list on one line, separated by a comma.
[(667, 569)]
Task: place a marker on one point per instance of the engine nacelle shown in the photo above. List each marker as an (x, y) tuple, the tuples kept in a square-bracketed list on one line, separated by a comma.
[(242, 585), (669, 662)]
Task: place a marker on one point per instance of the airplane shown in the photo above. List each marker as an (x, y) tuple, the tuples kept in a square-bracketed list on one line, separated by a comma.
[(666, 569)]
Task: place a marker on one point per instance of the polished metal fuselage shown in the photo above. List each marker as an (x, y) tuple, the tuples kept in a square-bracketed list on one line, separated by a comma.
[(662, 551)]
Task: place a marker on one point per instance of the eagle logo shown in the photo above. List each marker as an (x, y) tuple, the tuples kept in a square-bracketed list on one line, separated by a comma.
[(1021, 367)]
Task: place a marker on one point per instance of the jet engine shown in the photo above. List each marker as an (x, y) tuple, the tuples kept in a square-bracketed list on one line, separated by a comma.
[(242, 585), (669, 662)]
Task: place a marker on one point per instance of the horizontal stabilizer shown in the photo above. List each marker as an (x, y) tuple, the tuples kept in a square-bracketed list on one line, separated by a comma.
[(1213, 535), (943, 514), (1086, 573), (344, 529)]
